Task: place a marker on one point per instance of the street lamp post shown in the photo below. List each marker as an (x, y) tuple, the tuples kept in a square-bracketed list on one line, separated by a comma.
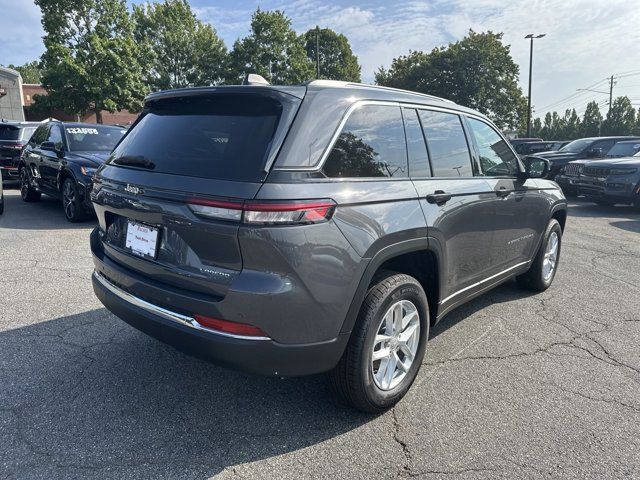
[(531, 36)]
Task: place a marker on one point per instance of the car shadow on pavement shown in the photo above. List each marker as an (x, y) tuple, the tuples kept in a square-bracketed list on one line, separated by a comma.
[(507, 292), (45, 214), (584, 208), (87, 391), (628, 225)]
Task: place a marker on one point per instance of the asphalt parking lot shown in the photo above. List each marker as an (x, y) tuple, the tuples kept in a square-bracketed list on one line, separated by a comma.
[(514, 385)]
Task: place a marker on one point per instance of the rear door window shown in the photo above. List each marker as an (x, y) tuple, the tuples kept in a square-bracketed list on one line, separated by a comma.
[(447, 143), (225, 137), (40, 135), (371, 144)]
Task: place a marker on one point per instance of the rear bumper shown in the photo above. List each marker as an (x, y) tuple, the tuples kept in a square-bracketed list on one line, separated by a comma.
[(265, 357), (10, 175), (121, 292)]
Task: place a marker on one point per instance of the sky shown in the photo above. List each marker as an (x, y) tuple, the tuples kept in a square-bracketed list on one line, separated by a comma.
[(586, 41)]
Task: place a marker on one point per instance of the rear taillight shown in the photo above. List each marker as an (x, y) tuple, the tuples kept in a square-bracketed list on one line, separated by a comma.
[(295, 212), (231, 328)]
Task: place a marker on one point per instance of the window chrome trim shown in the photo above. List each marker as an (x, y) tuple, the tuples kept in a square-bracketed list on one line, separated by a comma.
[(343, 122), (163, 312), (477, 284), (334, 138)]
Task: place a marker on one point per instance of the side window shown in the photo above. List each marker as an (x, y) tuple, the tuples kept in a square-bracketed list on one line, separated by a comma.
[(54, 135), (371, 144), (447, 144), (604, 145), (416, 146), (496, 158), (40, 135)]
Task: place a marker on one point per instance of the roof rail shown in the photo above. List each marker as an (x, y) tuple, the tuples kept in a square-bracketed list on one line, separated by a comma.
[(339, 83), (381, 87)]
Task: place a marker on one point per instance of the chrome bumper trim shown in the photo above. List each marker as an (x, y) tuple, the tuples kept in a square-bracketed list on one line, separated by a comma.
[(163, 312)]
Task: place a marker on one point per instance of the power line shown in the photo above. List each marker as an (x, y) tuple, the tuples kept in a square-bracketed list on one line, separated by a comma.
[(573, 95)]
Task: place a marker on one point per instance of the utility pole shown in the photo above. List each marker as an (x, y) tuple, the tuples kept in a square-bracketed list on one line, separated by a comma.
[(531, 36), (610, 95), (317, 51)]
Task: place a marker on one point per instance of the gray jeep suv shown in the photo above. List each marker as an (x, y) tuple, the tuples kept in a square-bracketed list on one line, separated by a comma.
[(322, 227)]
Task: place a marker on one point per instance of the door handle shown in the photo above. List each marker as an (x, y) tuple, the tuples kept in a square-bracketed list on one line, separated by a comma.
[(439, 197), (502, 192)]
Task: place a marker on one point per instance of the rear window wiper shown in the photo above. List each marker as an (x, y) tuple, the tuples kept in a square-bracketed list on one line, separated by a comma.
[(134, 161)]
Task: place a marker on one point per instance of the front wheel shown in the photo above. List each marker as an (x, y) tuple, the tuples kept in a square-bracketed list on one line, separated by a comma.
[(71, 201), (386, 347), (545, 264)]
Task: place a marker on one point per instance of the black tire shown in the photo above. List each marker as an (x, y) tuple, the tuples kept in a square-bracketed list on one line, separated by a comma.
[(534, 279), (71, 203), (27, 192), (353, 378), (1, 203)]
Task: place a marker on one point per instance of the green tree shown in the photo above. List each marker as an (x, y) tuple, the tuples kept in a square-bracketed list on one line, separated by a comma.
[(621, 118), (337, 61), (176, 49), (90, 62), (272, 50), (536, 127), (477, 71), (571, 127), (592, 120), (636, 130), (30, 72)]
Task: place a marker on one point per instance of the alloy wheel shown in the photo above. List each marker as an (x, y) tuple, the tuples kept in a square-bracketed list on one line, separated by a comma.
[(68, 200), (24, 183), (550, 256), (395, 344)]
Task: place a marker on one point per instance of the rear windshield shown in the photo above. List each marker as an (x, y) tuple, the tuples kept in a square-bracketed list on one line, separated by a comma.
[(9, 132), (93, 139), (224, 137)]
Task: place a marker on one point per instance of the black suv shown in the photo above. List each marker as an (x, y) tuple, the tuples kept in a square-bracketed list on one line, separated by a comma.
[(616, 180), (13, 138), (322, 227), (591, 148), (569, 176), (60, 160)]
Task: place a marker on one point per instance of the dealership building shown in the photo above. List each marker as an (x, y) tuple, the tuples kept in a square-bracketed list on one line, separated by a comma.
[(16, 98)]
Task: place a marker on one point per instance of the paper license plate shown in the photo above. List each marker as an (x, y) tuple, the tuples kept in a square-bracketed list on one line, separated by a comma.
[(142, 239)]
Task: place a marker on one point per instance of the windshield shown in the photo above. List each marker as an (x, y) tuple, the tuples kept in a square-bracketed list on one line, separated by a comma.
[(576, 146), (223, 137), (624, 149), (95, 138), (9, 132)]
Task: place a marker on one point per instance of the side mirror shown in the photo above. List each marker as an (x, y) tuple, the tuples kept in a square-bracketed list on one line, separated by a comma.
[(48, 146), (52, 147), (595, 153), (535, 167)]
